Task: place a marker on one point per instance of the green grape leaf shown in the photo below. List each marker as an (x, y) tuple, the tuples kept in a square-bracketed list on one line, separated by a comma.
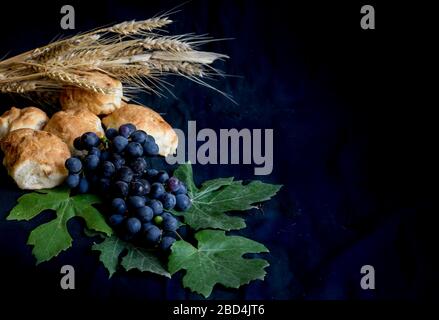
[(216, 197), (218, 259), (112, 249), (50, 238)]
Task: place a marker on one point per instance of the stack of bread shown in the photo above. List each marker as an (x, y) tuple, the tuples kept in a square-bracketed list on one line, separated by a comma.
[(35, 147)]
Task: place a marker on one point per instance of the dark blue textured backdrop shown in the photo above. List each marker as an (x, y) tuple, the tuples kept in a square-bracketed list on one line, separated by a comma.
[(343, 148)]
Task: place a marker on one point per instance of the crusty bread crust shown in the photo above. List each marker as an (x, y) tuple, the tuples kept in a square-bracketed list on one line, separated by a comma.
[(147, 120), (15, 118), (35, 159), (97, 103), (71, 124)]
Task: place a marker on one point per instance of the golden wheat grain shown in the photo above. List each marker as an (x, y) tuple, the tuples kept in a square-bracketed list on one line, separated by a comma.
[(75, 80), (133, 27)]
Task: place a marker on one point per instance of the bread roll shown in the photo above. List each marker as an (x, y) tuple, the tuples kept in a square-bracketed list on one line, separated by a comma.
[(15, 118), (147, 120), (71, 124), (35, 159), (97, 103)]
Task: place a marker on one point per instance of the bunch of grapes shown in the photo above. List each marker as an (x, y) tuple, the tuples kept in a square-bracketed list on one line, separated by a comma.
[(139, 197)]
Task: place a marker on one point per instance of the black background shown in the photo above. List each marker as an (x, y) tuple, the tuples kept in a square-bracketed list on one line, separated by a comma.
[(353, 127)]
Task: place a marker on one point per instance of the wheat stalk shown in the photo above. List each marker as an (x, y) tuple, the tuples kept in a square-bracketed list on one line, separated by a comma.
[(127, 51)]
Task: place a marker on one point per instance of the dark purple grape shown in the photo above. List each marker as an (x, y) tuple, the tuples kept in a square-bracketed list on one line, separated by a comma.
[(150, 148), (135, 202), (108, 169), (73, 165), (182, 189), (144, 214), (111, 133), (156, 206), (119, 144), (170, 223), (90, 140), (166, 243), (83, 185), (138, 165), (116, 219), (125, 174), (133, 225), (91, 162), (72, 181), (134, 150), (120, 189), (173, 184), (182, 202), (157, 190), (77, 144), (151, 173), (137, 188), (162, 176), (95, 151), (168, 200), (153, 234), (138, 136), (118, 161), (127, 129), (118, 206), (146, 186)]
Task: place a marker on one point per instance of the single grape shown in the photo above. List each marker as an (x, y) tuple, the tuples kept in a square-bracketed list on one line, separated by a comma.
[(104, 185), (83, 185), (138, 165), (168, 200), (151, 173), (156, 206), (144, 214), (72, 181), (157, 190), (134, 149), (153, 234), (111, 133), (118, 206), (139, 136), (146, 186), (173, 184), (150, 148), (90, 140), (77, 144), (125, 174), (120, 189), (119, 144), (116, 219), (162, 176), (170, 223), (182, 202), (135, 202), (127, 129), (95, 151), (158, 220), (133, 225), (137, 188), (182, 189), (166, 243), (108, 169), (146, 226), (73, 165), (91, 162)]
